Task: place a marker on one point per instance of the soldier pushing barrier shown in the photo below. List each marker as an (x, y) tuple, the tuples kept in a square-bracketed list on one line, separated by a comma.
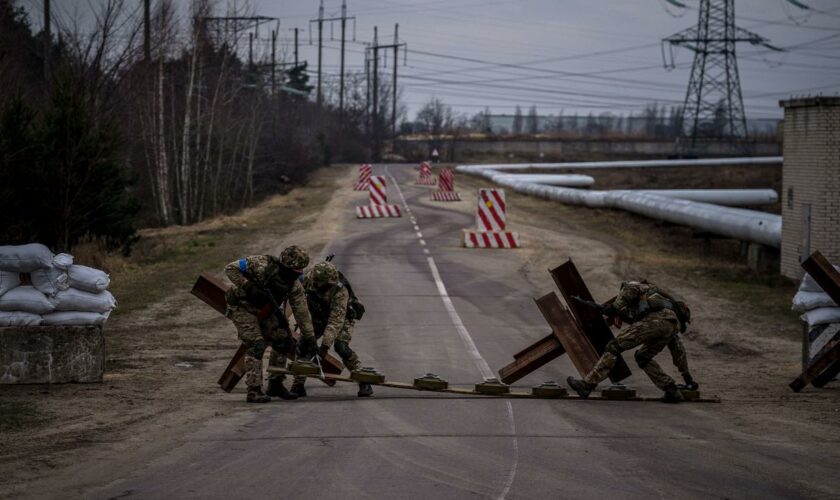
[(656, 319), (260, 284), (334, 309)]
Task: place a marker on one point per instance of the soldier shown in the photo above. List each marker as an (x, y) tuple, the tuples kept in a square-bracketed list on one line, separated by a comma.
[(260, 281), (655, 320), (332, 306)]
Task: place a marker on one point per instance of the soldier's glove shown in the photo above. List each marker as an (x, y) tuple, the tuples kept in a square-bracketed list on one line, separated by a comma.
[(307, 346), (323, 350), (690, 384), (609, 311)]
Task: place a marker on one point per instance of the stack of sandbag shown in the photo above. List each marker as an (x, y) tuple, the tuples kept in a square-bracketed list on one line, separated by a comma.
[(820, 313), (60, 293)]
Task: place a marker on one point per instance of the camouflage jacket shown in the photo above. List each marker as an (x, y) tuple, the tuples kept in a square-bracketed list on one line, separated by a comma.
[(266, 273), (638, 301), (328, 307)]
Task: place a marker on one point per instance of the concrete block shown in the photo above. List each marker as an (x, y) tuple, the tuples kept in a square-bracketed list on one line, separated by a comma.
[(51, 354)]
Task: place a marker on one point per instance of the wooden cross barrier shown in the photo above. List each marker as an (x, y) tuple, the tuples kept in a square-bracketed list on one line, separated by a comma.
[(211, 291), (825, 365), (578, 331)]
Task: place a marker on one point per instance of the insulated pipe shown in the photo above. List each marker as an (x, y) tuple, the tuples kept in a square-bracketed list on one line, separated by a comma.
[(726, 197), (706, 162), (569, 180), (738, 223)]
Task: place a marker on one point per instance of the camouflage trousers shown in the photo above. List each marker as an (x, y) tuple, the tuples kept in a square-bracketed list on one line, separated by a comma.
[(342, 348), (250, 330), (653, 335)]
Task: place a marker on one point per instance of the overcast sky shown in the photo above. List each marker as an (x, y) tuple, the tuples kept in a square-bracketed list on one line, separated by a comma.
[(571, 55)]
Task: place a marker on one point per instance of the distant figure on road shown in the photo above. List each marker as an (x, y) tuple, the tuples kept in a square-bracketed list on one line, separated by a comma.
[(656, 320), (334, 309), (435, 155), (260, 284)]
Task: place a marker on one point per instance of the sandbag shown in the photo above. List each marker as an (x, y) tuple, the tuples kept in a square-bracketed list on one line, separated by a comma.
[(814, 317), (27, 299), (80, 300), (8, 280), (19, 318), (75, 318), (809, 285), (49, 280), (24, 258), (805, 301), (88, 279), (63, 261)]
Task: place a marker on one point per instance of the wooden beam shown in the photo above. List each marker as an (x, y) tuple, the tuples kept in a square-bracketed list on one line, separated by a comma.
[(828, 361), (824, 274), (564, 327), (571, 284), (531, 358)]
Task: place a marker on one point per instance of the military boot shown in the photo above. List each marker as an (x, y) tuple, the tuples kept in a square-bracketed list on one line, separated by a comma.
[(672, 395), (298, 389), (365, 390), (255, 395), (690, 384), (580, 387), (278, 390)]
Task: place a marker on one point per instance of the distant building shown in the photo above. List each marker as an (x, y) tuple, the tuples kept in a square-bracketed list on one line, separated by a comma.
[(810, 181)]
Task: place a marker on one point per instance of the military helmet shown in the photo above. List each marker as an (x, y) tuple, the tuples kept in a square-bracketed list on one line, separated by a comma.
[(324, 273), (295, 257)]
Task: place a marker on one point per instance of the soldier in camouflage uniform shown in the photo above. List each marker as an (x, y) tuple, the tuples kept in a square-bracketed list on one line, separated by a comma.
[(332, 318), (260, 284), (654, 326)]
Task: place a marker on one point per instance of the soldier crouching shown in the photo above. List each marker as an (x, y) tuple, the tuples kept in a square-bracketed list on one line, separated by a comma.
[(655, 324), (260, 284), (332, 306)]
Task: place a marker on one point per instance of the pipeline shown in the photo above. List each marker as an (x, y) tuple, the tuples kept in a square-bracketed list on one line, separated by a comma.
[(706, 162), (738, 223)]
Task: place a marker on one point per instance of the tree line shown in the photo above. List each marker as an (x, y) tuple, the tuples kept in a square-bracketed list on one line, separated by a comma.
[(102, 132)]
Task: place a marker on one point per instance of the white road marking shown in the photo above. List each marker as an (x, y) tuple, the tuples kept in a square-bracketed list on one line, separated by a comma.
[(419, 234), (472, 350)]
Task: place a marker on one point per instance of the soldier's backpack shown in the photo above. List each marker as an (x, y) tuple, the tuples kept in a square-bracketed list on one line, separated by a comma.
[(355, 309), (679, 307)]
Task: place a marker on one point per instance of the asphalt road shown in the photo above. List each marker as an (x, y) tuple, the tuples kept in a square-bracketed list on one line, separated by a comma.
[(431, 308)]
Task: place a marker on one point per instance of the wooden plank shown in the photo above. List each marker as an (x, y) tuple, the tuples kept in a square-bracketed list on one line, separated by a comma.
[(824, 274), (531, 358), (564, 327), (571, 284), (235, 370), (211, 290), (818, 366)]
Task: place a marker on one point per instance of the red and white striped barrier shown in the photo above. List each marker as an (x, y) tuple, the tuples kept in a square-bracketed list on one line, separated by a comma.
[(365, 172), (490, 221), (446, 196), (425, 178), (378, 211), (446, 186), (379, 206)]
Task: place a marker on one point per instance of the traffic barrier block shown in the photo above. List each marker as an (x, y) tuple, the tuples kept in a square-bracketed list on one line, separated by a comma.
[(378, 207), (491, 239), (425, 178), (446, 187), (491, 223), (446, 196), (365, 172)]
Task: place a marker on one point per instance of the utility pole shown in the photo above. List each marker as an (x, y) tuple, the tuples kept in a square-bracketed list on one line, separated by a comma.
[(147, 30), (296, 47), (47, 39), (273, 61), (343, 18), (375, 115), (713, 109), (396, 45), (320, 22)]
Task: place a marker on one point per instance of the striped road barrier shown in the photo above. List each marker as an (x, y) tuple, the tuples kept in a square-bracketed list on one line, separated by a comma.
[(491, 223)]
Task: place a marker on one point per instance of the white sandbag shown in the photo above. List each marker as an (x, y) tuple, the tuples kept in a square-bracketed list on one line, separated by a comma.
[(80, 300), (809, 285), (818, 316), (19, 318), (27, 299), (49, 280), (25, 258), (75, 318), (63, 261), (8, 280), (88, 279), (805, 301)]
